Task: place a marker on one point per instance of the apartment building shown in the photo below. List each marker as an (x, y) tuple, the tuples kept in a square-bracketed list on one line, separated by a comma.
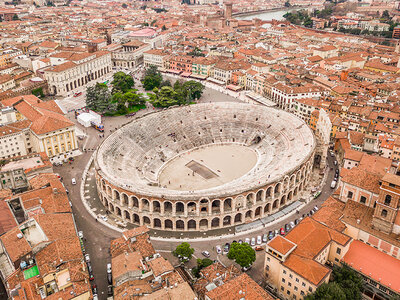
[(224, 69), (295, 263), (129, 55), (7, 82), (154, 57), (42, 128), (77, 70)]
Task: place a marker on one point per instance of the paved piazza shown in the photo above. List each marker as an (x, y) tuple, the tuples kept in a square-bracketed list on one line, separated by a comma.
[(204, 166)]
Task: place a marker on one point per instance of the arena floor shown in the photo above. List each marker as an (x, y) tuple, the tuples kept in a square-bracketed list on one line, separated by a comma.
[(207, 167)]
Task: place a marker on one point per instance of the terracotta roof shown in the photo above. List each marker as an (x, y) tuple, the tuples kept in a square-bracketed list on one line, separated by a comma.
[(361, 178), (241, 287), (281, 244), (160, 266), (374, 264)]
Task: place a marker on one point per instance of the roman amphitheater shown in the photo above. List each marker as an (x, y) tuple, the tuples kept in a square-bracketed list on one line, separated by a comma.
[(204, 166)]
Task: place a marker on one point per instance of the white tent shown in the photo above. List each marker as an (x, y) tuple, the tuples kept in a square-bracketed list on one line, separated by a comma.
[(85, 119)]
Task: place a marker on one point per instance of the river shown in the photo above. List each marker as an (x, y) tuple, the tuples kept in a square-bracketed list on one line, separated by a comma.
[(267, 16)]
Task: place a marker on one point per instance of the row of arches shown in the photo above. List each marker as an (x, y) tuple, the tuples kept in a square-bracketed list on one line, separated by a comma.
[(85, 79), (232, 219)]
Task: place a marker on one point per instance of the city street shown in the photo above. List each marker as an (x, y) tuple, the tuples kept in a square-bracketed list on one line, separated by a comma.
[(98, 237)]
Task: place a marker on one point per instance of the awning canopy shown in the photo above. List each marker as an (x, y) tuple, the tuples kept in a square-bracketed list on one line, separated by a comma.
[(233, 87), (197, 76), (186, 74), (220, 82)]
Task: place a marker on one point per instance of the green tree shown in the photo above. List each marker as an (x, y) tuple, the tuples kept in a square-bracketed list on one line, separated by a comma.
[(38, 92), (15, 17), (164, 97), (184, 250), (98, 99), (163, 28), (165, 83), (243, 254), (201, 263), (385, 14), (124, 5), (327, 291), (133, 99), (287, 4), (194, 89), (152, 78), (122, 82)]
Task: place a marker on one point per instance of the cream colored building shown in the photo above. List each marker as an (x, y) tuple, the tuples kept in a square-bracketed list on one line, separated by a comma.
[(295, 264), (154, 57), (77, 71), (129, 55), (42, 128)]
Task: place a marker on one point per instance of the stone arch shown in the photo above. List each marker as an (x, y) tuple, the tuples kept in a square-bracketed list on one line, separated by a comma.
[(145, 205), (215, 222), (250, 197), (295, 191), (227, 221), (156, 206), (118, 211), (216, 206), (103, 185), (136, 218), (258, 212), (167, 207), (157, 223), (127, 216), (268, 194), (191, 208), (116, 195), (292, 180), (109, 192), (135, 202), (228, 204), (259, 196), (146, 220), (203, 205), (238, 218), (180, 225), (125, 199), (275, 204), (290, 196), (179, 207), (283, 200), (168, 224), (286, 183), (267, 208), (278, 188), (203, 224), (111, 208), (191, 225), (248, 215)]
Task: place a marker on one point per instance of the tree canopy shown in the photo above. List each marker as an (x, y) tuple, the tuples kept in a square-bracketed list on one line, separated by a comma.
[(201, 263), (122, 82), (345, 284), (243, 254), (184, 250), (152, 78), (98, 98)]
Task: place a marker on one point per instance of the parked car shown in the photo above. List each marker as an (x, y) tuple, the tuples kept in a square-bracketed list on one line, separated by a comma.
[(271, 234), (77, 94), (315, 208), (206, 253), (265, 238), (109, 290), (287, 227), (87, 258), (109, 278), (94, 289), (333, 184), (282, 231), (245, 269), (240, 242), (335, 162), (247, 240), (259, 248), (337, 171), (253, 241), (226, 248), (259, 240), (104, 218), (332, 154), (218, 249), (276, 232), (311, 212), (292, 224), (109, 268), (296, 221), (73, 181), (80, 234)]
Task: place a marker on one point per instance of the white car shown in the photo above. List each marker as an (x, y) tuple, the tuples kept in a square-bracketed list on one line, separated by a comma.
[(206, 253), (108, 268), (259, 240), (247, 240), (219, 250), (87, 258), (253, 241), (80, 234), (333, 184), (73, 181), (104, 218)]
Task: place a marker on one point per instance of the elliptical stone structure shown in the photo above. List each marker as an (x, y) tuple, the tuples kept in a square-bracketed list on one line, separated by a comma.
[(128, 165)]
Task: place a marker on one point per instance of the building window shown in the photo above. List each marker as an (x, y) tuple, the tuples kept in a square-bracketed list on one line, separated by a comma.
[(289, 284), (284, 271), (350, 195), (296, 288), (363, 200), (336, 259), (388, 198), (297, 280), (310, 289), (288, 292), (283, 280), (338, 250), (282, 288), (303, 284), (290, 276), (384, 213)]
